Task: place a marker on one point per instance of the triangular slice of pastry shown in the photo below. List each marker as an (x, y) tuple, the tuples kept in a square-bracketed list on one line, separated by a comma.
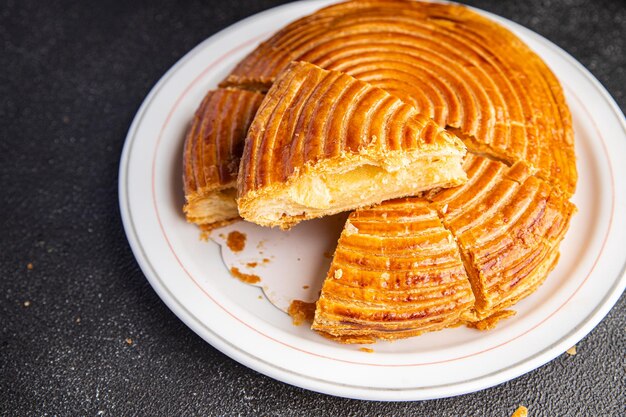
[(213, 146), (396, 272), (323, 142), (509, 225)]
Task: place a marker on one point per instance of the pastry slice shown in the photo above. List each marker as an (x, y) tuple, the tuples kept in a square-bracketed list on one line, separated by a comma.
[(211, 155), (508, 224), (454, 65), (323, 142), (396, 272)]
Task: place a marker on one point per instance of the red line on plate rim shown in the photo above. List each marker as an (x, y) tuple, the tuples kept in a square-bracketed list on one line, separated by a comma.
[(196, 283)]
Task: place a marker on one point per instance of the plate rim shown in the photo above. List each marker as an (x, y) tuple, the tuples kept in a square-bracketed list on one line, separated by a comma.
[(272, 369)]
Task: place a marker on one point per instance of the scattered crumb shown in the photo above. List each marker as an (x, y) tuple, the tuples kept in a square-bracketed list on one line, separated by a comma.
[(260, 245), (29, 266), (236, 241), (571, 351), (27, 304), (260, 297), (252, 264), (77, 320), (301, 311), (350, 229), (367, 350), (266, 260), (338, 273), (491, 321), (328, 255), (521, 412), (247, 278), (305, 287), (129, 341)]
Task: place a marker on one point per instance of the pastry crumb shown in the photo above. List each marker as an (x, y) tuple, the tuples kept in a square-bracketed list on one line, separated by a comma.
[(350, 229), (571, 351), (247, 278), (366, 350), (236, 241), (26, 303), (30, 266), (129, 341), (252, 264), (520, 412), (305, 287), (301, 312)]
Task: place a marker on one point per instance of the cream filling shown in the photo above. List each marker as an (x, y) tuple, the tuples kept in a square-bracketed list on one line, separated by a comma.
[(332, 191)]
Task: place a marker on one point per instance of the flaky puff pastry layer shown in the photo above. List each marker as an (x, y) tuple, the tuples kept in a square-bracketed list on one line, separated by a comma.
[(212, 150), (323, 142), (455, 66), (396, 272)]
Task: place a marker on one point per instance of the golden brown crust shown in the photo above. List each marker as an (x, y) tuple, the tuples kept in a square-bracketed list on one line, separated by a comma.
[(396, 273), (504, 227), (452, 64), (509, 225), (211, 154), (318, 133)]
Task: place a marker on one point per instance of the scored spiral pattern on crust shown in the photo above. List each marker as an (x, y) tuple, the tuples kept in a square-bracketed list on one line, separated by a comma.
[(392, 258), (311, 115), (396, 273), (214, 142), (508, 224), (454, 65)]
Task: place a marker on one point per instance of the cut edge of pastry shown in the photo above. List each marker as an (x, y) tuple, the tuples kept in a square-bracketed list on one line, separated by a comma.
[(349, 182), (210, 156), (213, 208)]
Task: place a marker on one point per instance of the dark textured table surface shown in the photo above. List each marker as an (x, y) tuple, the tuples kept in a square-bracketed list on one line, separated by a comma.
[(81, 330)]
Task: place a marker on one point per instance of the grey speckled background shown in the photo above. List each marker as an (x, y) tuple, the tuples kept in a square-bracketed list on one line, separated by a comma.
[(73, 75)]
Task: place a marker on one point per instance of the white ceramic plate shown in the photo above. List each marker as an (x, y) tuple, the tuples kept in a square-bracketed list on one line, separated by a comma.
[(189, 275)]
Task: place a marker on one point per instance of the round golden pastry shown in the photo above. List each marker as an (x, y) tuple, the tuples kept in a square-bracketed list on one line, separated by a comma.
[(504, 226)]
